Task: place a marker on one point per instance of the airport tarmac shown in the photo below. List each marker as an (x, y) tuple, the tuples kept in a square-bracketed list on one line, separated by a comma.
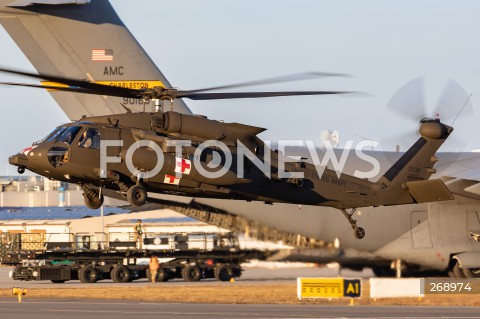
[(73, 309)]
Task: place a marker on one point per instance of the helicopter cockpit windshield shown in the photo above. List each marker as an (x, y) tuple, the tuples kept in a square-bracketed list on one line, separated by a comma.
[(68, 134), (51, 136), (59, 155)]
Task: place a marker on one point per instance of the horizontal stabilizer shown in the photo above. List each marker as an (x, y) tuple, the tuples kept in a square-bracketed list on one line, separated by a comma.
[(428, 191)]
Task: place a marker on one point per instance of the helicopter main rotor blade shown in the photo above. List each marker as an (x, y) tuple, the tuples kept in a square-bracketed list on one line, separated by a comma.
[(279, 79), (86, 87), (47, 87), (250, 95), (193, 96), (57, 88)]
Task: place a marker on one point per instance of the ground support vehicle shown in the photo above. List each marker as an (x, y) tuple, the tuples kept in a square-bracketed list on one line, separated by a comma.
[(189, 256)]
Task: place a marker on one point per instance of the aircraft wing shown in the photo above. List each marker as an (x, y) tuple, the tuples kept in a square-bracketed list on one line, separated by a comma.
[(459, 165), (460, 172)]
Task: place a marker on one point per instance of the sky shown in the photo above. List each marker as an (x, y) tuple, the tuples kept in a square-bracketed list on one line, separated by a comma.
[(381, 44)]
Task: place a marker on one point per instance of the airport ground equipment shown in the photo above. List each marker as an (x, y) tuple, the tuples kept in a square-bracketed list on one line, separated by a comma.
[(92, 257)]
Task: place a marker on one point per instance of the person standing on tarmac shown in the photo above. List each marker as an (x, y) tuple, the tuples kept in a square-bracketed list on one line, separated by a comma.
[(138, 232), (154, 265)]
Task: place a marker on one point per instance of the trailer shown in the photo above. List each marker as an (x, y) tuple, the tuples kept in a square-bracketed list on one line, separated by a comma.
[(92, 257)]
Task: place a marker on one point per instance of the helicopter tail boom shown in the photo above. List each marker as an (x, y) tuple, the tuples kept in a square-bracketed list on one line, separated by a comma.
[(407, 180)]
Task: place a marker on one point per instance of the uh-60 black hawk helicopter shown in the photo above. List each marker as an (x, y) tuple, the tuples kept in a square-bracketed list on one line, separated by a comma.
[(173, 153)]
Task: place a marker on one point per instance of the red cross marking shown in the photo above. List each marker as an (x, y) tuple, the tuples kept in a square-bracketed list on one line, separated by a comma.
[(171, 179), (184, 165)]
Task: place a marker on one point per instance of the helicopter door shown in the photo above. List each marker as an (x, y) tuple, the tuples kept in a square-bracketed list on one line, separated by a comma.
[(86, 152)]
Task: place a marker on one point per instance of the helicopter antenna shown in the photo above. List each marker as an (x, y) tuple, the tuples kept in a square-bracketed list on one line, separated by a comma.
[(464, 104)]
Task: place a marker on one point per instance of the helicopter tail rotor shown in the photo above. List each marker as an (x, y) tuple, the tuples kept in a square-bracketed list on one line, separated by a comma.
[(410, 102)]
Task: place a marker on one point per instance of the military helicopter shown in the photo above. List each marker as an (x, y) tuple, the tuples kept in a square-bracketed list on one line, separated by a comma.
[(173, 153)]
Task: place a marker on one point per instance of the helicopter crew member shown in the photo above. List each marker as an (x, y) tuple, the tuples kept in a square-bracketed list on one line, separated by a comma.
[(86, 140), (138, 231), (90, 139)]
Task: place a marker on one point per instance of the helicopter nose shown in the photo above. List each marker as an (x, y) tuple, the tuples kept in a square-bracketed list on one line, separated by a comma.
[(22, 159), (19, 160), (41, 159)]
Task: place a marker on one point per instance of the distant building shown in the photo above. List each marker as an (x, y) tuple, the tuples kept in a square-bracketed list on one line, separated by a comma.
[(38, 191), (32, 183)]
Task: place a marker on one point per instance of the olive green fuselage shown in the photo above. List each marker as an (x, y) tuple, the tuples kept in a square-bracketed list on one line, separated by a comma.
[(67, 155)]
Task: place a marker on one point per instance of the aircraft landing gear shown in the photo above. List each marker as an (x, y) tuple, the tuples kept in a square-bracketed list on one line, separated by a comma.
[(21, 170), (359, 231), (91, 198), (137, 195)]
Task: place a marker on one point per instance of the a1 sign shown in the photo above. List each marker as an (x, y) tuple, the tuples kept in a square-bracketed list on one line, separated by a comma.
[(329, 288), (352, 288)]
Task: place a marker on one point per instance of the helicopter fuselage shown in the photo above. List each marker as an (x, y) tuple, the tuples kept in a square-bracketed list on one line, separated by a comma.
[(66, 155), (179, 154)]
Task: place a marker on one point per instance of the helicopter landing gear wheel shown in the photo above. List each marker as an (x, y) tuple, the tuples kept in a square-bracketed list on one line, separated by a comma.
[(91, 198), (94, 202), (359, 231), (137, 195)]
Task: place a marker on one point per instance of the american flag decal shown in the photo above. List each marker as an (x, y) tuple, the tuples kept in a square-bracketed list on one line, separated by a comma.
[(102, 55)]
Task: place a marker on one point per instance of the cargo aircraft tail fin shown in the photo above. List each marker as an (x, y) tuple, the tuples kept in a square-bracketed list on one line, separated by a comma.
[(83, 39)]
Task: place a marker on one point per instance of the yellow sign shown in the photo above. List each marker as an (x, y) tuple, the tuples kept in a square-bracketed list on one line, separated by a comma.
[(328, 288), (19, 292), (139, 84)]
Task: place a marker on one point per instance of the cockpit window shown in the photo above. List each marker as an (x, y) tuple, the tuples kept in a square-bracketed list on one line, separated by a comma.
[(48, 137), (90, 139), (56, 133), (68, 135)]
